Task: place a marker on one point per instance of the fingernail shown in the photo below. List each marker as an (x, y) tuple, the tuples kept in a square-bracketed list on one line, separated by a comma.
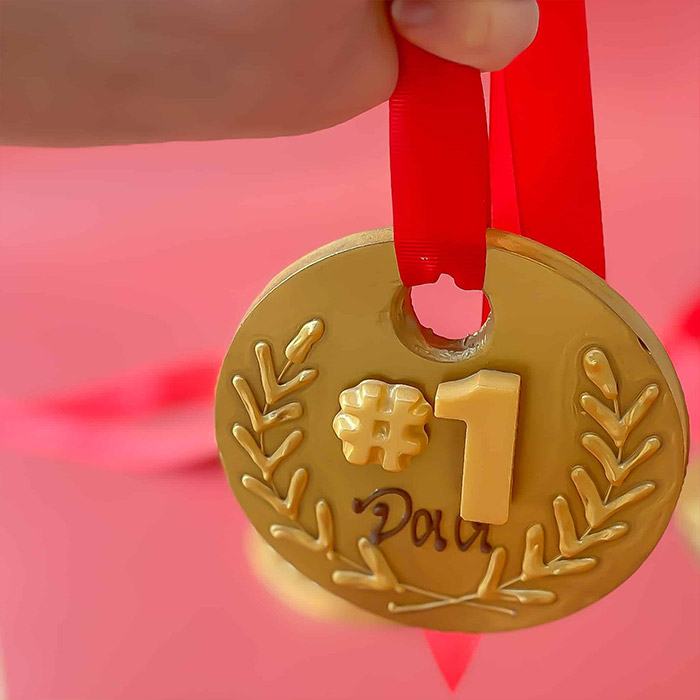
[(412, 11)]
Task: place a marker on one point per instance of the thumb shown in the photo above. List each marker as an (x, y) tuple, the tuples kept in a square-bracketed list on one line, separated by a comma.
[(486, 34)]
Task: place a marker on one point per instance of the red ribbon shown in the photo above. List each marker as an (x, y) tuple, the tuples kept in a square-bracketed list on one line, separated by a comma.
[(544, 176), (152, 421), (439, 169), (541, 106)]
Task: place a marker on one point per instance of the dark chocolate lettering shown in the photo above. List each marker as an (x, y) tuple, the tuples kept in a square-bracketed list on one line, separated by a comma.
[(480, 529), (381, 510), (431, 525)]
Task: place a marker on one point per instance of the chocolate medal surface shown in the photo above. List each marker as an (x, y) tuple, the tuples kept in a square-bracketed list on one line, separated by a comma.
[(488, 484)]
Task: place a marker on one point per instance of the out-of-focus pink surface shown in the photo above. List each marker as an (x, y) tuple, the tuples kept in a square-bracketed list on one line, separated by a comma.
[(119, 585)]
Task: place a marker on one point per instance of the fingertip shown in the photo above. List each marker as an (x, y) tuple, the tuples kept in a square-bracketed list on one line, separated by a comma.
[(486, 34), (412, 12)]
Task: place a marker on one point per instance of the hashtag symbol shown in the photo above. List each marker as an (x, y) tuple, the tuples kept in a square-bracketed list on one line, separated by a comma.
[(382, 423)]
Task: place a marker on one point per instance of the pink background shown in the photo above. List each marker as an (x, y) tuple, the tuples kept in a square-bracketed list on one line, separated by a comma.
[(118, 585)]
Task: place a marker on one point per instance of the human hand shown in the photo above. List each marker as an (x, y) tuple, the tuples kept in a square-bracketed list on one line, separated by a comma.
[(88, 73)]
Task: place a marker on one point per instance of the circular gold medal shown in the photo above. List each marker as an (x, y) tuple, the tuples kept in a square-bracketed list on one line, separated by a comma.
[(493, 483)]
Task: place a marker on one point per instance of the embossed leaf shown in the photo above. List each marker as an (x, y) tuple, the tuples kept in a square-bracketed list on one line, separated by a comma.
[(596, 510), (620, 428), (267, 463), (289, 507), (322, 543), (260, 421), (616, 472), (598, 370), (272, 388), (641, 406), (300, 346), (381, 578), (528, 596), (606, 418), (490, 587), (534, 565), (570, 545)]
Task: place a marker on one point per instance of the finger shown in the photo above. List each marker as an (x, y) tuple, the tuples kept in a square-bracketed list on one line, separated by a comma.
[(85, 73), (486, 34)]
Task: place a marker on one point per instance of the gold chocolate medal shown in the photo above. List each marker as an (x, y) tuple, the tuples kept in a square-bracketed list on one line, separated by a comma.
[(488, 484)]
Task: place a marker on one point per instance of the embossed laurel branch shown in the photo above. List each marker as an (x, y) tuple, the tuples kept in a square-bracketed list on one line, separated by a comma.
[(492, 593), (598, 509), (272, 414)]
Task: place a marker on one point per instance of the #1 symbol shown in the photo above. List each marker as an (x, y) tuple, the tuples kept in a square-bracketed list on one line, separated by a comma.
[(384, 424)]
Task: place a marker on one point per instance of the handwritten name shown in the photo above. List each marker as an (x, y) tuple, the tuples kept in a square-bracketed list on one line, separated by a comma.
[(423, 523)]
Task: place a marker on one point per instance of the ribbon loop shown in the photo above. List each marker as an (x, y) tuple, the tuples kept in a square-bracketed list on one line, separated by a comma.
[(439, 170), (542, 135), (543, 159)]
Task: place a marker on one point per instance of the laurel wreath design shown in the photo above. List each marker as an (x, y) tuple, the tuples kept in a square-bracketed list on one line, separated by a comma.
[(492, 593), (275, 388)]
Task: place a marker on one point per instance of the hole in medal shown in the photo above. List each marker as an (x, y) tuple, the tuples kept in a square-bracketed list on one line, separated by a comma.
[(440, 321), (447, 310)]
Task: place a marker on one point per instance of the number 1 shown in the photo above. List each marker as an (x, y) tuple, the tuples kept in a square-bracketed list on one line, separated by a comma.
[(488, 403)]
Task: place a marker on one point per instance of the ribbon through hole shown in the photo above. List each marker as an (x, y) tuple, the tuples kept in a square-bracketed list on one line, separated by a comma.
[(441, 322), (447, 310)]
